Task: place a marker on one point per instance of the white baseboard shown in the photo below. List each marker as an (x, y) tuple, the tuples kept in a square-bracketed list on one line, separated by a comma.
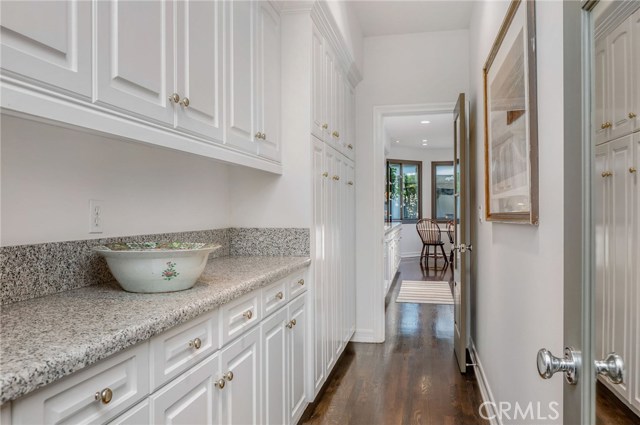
[(415, 254), (483, 384), (365, 335)]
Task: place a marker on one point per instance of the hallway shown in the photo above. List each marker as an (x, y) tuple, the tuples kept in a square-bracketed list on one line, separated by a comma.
[(410, 379)]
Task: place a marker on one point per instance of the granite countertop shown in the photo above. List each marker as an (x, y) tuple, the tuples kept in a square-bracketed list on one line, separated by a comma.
[(47, 338), (388, 227)]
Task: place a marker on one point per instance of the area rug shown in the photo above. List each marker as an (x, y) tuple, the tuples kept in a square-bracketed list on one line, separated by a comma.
[(424, 292)]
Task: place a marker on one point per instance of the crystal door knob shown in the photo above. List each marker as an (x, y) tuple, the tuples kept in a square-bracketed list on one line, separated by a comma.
[(548, 364), (612, 367)]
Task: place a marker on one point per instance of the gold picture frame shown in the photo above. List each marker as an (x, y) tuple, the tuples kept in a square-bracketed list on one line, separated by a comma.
[(511, 119)]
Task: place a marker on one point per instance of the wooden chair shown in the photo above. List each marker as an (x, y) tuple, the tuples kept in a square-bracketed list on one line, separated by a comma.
[(431, 236)]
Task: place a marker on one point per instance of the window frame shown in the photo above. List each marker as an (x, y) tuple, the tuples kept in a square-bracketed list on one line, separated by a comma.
[(402, 220), (434, 165)]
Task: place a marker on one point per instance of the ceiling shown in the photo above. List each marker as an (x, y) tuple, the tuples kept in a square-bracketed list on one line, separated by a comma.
[(410, 132), (387, 17)]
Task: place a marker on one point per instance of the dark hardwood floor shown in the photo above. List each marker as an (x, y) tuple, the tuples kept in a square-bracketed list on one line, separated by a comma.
[(610, 410), (410, 379)]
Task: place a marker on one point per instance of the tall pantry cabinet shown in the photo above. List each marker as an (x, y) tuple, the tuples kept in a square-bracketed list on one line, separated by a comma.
[(617, 197)]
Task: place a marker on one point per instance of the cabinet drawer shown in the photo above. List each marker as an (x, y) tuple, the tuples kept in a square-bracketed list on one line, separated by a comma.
[(178, 349), (137, 415), (274, 297), (240, 315), (297, 285), (73, 399)]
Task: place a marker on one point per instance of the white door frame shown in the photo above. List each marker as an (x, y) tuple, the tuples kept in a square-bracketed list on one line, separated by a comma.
[(374, 257)]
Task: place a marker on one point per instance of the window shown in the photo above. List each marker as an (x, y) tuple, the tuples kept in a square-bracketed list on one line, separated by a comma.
[(404, 185), (442, 190)]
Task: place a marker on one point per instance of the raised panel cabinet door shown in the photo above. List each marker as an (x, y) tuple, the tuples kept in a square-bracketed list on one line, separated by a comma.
[(48, 41), (318, 110), (619, 56), (338, 252), (329, 93), (635, 365), (338, 108), (137, 415), (328, 282), (274, 367), (242, 393), (199, 70), (240, 70), (320, 181), (635, 46), (352, 246), (296, 358), (350, 115), (134, 57), (190, 399), (601, 217), (602, 109), (268, 80)]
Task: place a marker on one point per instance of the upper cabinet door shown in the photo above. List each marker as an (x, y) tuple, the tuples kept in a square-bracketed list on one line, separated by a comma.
[(199, 67), (635, 45), (619, 56), (601, 101), (268, 80), (240, 86), (318, 109), (135, 57), (48, 41), (329, 93)]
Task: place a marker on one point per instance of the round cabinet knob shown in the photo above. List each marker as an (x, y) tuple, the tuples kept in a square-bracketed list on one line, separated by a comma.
[(104, 396), (184, 102), (325, 126), (248, 314), (336, 178), (633, 170), (350, 183), (258, 135), (325, 174), (195, 343), (612, 367), (290, 324), (175, 98), (548, 364), (228, 376), (301, 282), (264, 136), (279, 295), (607, 174), (220, 383), (632, 115), (336, 134), (350, 146), (293, 322)]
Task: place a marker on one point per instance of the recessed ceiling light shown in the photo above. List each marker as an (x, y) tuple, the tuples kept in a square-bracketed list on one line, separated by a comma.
[(397, 141), (424, 144), (424, 140), (425, 122)]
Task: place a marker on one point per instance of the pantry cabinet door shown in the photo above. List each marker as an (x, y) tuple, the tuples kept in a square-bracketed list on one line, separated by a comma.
[(602, 110), (329, 93), (268, 81), (274, 366), (329, 280), (318, 97), (199, 68), (241, 395), (296, 358), (619, 56), (48, 41), (240, 69), (135, 57), (635, 46), (601, 204)]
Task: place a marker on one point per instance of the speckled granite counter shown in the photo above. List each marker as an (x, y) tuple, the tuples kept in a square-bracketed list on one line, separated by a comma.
[(46, 338)]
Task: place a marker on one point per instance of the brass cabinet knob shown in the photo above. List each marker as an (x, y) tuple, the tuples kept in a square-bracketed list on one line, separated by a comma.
[(605, 125), (633, 170), (293, 322), (350, 146), (289, 324), (632, 115), (220, 383), (228, 376), (325, 174), (258, 135), (301, 282), (264, 136), (195, 343), (184, 102), (336, 134), (607, 174), (175, 98), (336, 178), (104, 396), (248, 314), (325, 126), (350, 183), (279, 295)]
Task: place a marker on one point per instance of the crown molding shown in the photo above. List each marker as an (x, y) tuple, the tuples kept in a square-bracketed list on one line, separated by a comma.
[(614, 15)]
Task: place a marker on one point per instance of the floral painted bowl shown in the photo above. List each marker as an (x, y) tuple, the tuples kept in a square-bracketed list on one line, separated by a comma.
[(150, 267)]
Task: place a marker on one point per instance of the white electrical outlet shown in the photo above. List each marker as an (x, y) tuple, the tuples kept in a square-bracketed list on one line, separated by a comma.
[(95, 215)]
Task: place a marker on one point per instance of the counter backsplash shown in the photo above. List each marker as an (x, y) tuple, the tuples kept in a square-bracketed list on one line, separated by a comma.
[(30, 271)]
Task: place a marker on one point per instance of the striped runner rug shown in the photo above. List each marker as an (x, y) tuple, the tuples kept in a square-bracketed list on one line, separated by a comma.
[(424, 292)]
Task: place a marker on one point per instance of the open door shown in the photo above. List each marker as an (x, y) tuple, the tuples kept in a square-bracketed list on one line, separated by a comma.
[(462, 235)]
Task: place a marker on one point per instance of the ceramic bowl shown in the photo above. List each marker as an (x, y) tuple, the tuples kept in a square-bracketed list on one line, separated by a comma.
[(151, 267)]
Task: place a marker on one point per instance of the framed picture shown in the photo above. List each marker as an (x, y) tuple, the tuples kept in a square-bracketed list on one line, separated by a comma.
[(510, 119)]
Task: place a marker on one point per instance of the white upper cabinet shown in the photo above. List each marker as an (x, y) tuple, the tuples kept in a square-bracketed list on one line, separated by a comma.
[(619, 56), (268, 81), (635, 80), (135, 57), (240, 84), (601, 80), (199, 68), (329, 93), (318, 97), (48, 41)]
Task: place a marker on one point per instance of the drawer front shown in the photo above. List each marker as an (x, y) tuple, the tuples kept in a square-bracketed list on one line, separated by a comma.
[(77, 398), (240, 315), (274, 297), (297, 285), (137, 415), (178, 349)]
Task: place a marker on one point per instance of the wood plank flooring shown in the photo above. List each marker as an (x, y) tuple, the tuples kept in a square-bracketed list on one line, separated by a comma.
[(610, 410), (410, 379)]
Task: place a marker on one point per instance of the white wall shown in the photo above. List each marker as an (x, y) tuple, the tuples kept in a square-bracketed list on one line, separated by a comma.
[(411, 245), (399, 69), (49, 174), (519, 282)]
